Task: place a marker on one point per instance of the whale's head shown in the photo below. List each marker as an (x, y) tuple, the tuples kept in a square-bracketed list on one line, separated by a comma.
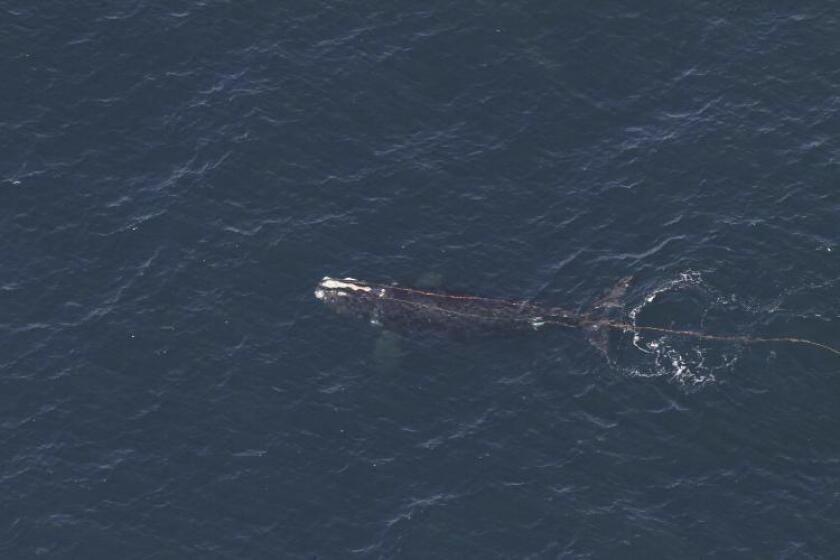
[(331, 290), (348, 295)]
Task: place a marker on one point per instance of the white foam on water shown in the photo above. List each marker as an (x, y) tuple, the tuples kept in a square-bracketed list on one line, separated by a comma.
[(684, 366)]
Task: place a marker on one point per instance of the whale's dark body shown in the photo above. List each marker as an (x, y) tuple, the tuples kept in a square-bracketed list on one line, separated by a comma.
[(401, 308)]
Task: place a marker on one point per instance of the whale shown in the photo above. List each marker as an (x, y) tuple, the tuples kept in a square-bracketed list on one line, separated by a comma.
[(399, 308)]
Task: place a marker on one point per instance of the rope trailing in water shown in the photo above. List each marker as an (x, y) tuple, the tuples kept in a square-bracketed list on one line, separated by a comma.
[(556, 317), (744, 339)]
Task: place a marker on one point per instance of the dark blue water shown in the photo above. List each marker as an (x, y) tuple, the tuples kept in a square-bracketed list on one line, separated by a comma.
[(176, 177)]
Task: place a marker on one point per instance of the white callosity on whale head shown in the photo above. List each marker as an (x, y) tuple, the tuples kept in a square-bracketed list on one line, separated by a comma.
[(347, 283), (328, 283)]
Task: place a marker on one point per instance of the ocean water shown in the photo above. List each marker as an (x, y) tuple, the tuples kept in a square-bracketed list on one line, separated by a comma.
[(176, 177)]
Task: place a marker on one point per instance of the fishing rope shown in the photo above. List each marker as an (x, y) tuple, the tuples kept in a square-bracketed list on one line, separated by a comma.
[(512, 303), (745, 339), (553, 316)]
